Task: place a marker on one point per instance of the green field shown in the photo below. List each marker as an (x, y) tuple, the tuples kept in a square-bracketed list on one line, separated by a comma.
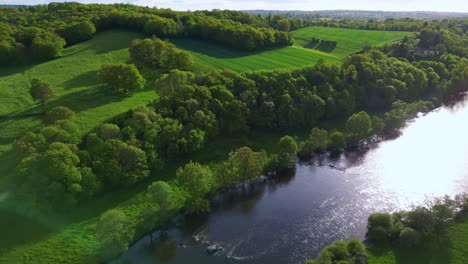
[(452, 248), (349, 41), (73, 78), (211, 57)]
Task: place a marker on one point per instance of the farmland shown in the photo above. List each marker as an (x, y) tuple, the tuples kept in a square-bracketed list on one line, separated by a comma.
[(211, 57), (349, 41)]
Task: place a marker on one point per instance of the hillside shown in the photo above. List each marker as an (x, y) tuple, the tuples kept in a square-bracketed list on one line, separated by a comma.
[(73, 80), (349, 41)]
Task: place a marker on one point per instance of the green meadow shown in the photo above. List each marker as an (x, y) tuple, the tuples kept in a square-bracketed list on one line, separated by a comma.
[(349, 41)]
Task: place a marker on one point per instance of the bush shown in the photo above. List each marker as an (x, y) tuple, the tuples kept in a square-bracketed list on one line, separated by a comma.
[(59, 113)]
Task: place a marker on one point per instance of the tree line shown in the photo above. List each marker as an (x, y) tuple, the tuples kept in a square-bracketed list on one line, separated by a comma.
[(41, 32)]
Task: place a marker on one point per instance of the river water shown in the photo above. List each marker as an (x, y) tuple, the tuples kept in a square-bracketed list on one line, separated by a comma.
[(291, 219)]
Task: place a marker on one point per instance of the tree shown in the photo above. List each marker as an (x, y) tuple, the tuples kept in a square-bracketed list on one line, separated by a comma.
[(227, 173), (109, 131), (59, 113), (123, 78), (40, 91), (167, 197), (380, 227), (197, 180), (79, 32), (157, 54), (359, 125), (337, 139), (317, 142), (287, 152), (250, 163), (46, 46), (114, 232)]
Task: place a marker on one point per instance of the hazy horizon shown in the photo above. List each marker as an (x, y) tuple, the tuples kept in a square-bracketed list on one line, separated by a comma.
[(458, 6)]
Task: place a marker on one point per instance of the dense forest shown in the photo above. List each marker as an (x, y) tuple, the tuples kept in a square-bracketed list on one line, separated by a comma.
[(374, 91)]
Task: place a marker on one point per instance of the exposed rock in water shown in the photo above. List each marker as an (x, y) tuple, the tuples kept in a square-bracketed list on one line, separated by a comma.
[(214, 249)]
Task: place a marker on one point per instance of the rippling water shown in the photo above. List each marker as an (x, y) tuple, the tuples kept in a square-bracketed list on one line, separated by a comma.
[(291, 220)]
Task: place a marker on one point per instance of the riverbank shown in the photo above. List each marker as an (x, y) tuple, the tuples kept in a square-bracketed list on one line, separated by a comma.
[(320, 204)]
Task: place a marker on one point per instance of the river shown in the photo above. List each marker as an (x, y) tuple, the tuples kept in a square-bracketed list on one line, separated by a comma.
[(290, 220)]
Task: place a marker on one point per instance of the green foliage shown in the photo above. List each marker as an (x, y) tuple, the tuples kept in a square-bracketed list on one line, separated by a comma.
[(161, 26), (340, 252), (114, 232), (79, 32), (40, 91), (109, 131), (287, 153), (123, 78), (59, 113), (359, 125), (250, 164), (380, 227), (317, 142), (197, 180), (157, 54), (46, 46), (409, 237)]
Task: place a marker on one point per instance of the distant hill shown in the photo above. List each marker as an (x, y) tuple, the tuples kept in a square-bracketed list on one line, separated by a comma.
[(11, 6), (360, 14)]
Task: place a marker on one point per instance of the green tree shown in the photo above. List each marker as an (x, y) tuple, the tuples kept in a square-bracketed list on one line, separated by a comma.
[(197, 180), (337, 139), (167, 197), (114, 232), (46, 46), (287, 152), (123, 78), (250, 163), (359, 125), (79, 32), (380, 227), (40, 91), (317, 142), (109, 131), (59, 113)]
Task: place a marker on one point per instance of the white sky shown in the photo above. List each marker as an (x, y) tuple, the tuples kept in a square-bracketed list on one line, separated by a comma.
[(386, 5)]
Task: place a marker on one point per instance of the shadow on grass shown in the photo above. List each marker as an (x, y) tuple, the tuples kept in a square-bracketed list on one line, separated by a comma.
[(212, 50), (85, 79), (317, 45)]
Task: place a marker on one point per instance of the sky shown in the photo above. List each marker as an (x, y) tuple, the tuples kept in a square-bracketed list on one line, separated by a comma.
[(385, 5)]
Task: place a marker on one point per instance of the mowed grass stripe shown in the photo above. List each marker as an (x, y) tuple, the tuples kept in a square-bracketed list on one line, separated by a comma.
[(348, 40), (224, 58)]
